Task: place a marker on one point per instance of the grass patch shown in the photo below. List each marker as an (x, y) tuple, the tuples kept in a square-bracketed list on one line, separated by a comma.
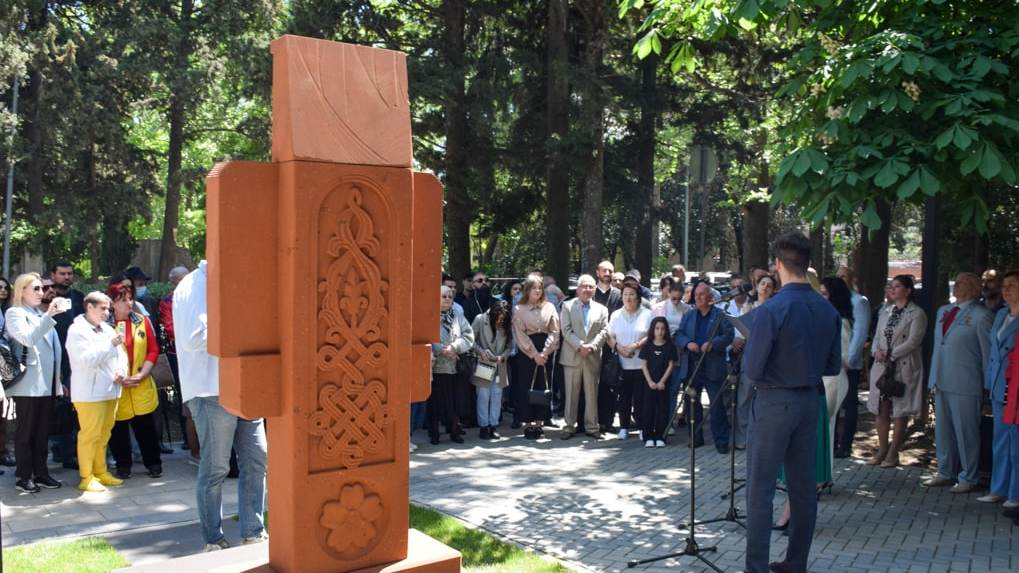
[(481, 552), (89, 555)]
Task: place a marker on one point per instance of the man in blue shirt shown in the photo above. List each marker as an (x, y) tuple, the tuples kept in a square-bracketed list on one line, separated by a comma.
[(793, 342)]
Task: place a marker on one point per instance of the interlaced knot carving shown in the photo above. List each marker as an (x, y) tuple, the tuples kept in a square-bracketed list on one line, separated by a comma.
[(352, 413)]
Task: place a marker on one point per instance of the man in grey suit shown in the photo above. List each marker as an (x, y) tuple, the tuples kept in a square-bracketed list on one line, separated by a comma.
[(961, 344), (584, 327)]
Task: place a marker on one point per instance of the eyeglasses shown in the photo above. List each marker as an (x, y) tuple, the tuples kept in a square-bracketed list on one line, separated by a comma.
[(37, 288)]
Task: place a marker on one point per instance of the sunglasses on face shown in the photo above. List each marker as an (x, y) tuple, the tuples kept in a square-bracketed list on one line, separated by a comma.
[(37, 288)]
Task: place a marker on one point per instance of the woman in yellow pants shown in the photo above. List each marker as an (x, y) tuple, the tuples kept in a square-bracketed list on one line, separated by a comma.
[(98, 367)]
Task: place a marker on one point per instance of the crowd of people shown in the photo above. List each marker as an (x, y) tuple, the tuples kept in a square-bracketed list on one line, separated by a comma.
[(597, 359), (610, 358)]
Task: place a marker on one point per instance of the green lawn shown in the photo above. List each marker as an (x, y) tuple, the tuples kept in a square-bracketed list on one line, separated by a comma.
[(481, 552), (89, 555)]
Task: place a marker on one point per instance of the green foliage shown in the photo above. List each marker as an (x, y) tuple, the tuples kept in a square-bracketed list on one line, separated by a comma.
[(897, 100)]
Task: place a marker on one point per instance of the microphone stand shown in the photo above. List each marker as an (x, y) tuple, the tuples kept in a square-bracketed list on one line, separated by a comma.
[(692, 549), (733, 514)]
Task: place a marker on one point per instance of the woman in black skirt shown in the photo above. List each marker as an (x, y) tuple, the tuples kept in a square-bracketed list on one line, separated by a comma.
[(536, 331)]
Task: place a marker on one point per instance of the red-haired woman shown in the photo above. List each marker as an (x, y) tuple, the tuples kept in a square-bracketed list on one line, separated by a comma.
[(139, 398)]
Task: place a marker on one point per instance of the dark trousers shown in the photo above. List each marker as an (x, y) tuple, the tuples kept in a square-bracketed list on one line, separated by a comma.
[(630, 395), (654, 413), (465, 399), (719, 416), (145, 434), (851, 407), (171, 357), (783, 431), (442, 405), (31, 439)]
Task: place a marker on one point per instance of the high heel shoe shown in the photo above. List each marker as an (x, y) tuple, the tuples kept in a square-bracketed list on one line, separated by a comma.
[(821, 487), (780, 527)]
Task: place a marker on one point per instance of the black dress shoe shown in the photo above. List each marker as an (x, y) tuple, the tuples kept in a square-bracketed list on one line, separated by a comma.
[(781, 567), (155, 471), (483, 433), (434, 440), (1011, 512), (47, 482), (493, 434), (516, 425), (8, 460), (722, 449), (456, 438), (122, 473)]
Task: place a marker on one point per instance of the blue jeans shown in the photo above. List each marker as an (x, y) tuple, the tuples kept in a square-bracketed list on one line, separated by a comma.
[(1005, 451), (418, 414), (719, 416), (489, 405), (218, 432)]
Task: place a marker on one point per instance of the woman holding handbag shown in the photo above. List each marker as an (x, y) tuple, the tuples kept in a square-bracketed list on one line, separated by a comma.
[(536, 331), (492, 335), (98, 369), (896, 392), (34, 338), (455, 338), (139, 398)]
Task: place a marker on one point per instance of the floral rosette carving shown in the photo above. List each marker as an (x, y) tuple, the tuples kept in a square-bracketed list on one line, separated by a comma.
[(353, 522)]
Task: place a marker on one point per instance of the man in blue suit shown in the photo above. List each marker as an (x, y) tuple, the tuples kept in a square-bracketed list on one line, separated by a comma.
[(793, 342), (1005, 448), (693, 342), (960, 352)]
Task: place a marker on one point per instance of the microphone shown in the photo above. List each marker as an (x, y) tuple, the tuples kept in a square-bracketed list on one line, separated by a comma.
[(733, 293)]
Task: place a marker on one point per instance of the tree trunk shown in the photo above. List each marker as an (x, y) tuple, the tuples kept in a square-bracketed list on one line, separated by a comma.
[(174, 160), (755, 235), (593, 114), (646, 164), (872, 258), (457, 214), (35, 134), (557, 220)]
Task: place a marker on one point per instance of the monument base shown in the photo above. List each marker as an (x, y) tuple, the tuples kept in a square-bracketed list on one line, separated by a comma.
[(424, 555)]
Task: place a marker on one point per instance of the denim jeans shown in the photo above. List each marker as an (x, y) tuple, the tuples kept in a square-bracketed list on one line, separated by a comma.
[(489, 405), (218, 432), (418, 415)]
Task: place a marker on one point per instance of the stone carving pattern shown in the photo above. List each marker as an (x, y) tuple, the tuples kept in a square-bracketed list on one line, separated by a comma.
[(353, 413), (354, 521)]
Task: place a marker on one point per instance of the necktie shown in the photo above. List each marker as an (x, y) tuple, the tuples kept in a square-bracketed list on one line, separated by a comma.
[(948, 320)]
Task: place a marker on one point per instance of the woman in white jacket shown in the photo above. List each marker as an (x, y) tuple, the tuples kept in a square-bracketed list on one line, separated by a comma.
[(98, 367)]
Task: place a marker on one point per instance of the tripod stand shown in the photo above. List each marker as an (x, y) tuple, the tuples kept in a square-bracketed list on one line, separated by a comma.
[(692, 549)]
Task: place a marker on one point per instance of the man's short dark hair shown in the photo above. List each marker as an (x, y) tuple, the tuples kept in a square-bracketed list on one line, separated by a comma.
[(793, 249), (446, 277), (469, 275), (59, 264), (1014, 274)]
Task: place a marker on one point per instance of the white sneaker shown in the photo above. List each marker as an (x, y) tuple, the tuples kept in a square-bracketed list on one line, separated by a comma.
[(659, 444), (672, 431), (649, 444), (1010, 504), (991, 498), (623, 434), (413, 447), (962, 487), (263, 536)]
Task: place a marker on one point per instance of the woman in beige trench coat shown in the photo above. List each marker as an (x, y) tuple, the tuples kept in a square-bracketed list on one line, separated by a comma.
[(898, 339)]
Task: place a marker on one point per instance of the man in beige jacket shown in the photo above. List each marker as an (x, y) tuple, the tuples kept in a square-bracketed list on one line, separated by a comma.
[(584, 324)]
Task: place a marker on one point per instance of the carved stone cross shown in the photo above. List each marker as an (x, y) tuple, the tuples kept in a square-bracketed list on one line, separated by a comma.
[(324, 270)]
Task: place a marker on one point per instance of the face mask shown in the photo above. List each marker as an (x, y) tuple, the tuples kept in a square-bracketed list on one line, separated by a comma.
[(140, 291), (517, 297)]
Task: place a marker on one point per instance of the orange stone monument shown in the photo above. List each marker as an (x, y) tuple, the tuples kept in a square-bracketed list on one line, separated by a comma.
[(324, 272)]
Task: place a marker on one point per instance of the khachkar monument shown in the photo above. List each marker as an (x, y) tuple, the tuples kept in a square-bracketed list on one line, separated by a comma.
[(315, 263)]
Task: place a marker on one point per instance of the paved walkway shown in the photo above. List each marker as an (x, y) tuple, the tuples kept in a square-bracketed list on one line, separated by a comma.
[(602, 504), (594, 505)]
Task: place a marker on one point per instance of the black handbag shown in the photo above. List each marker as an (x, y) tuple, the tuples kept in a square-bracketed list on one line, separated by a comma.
[(466, 363), (543, 396), (12, 370), (889, 385), (611, 372)]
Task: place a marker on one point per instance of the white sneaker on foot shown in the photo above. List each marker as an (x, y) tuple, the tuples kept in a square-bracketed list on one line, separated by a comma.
[(659, 444), (1010, 504), (263, 536), (962, 487), (991, 498), (649, 444), (623, 434), (672, 431), (413, 447)]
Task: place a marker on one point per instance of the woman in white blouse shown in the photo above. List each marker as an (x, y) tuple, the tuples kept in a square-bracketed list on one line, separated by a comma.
[(627, 333)]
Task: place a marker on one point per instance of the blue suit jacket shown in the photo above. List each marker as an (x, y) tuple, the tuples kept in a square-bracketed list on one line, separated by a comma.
[(997, 360), (714, 363), (959, 357)]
